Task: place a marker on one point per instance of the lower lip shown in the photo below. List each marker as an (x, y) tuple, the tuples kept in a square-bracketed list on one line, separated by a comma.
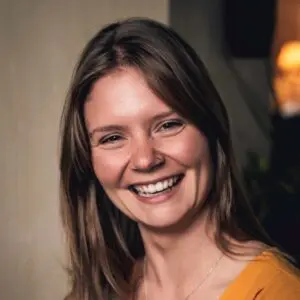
[(159, 198)]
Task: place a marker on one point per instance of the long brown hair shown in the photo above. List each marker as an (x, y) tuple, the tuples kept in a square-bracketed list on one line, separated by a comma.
[(104, 244)]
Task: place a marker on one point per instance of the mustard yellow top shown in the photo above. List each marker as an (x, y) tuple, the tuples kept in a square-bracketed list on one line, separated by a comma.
[(265, 278)]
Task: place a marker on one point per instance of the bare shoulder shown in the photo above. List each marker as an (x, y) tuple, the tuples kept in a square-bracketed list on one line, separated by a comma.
[(234, 265)]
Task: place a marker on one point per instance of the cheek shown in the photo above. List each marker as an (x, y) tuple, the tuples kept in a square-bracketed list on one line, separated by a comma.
[(108, 167), (191, 150)]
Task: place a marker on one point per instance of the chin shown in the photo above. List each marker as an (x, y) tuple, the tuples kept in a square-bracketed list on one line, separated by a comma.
[(167, 219)]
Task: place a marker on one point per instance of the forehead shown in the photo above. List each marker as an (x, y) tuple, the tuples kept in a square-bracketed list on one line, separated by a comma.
[(122, 94)]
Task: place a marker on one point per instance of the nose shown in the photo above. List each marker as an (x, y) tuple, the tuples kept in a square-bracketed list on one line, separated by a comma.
[(145, 157)]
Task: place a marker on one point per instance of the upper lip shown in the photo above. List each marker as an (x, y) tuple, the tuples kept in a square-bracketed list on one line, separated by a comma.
[(155, 180)]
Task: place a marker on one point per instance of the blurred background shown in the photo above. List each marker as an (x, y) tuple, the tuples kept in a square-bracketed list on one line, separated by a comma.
[(251, 49)]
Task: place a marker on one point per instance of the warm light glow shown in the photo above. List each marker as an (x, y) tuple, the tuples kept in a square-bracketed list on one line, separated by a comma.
[(287, 78), (289, 56)]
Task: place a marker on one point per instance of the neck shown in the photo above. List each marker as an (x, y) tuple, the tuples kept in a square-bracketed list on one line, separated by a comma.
[(180, 259)]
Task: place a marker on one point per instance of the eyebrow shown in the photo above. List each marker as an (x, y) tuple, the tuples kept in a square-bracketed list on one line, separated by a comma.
[(114, 127)]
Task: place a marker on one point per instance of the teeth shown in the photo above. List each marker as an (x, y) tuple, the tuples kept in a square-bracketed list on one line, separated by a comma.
[(157, 187), (165, 184), (151, 188)]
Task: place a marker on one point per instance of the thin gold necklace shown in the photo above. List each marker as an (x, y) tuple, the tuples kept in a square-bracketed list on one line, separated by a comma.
[(210, 271)]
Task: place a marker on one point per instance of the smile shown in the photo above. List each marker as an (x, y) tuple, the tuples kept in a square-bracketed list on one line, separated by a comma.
[(157, 187)]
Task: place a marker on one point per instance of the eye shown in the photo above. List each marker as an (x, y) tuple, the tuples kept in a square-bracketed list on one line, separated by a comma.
[(170, 125), (112, 139)]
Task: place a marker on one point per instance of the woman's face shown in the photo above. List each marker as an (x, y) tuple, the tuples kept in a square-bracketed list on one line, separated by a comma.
[(153, 164)]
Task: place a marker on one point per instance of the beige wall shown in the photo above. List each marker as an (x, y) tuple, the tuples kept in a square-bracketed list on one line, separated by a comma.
[(39, 43)]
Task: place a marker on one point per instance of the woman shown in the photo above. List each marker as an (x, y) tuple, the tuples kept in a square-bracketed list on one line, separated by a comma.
[(151, 202)]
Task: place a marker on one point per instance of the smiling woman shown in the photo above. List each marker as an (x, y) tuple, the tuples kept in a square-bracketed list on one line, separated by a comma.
[(152, 153), (151, 200)]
